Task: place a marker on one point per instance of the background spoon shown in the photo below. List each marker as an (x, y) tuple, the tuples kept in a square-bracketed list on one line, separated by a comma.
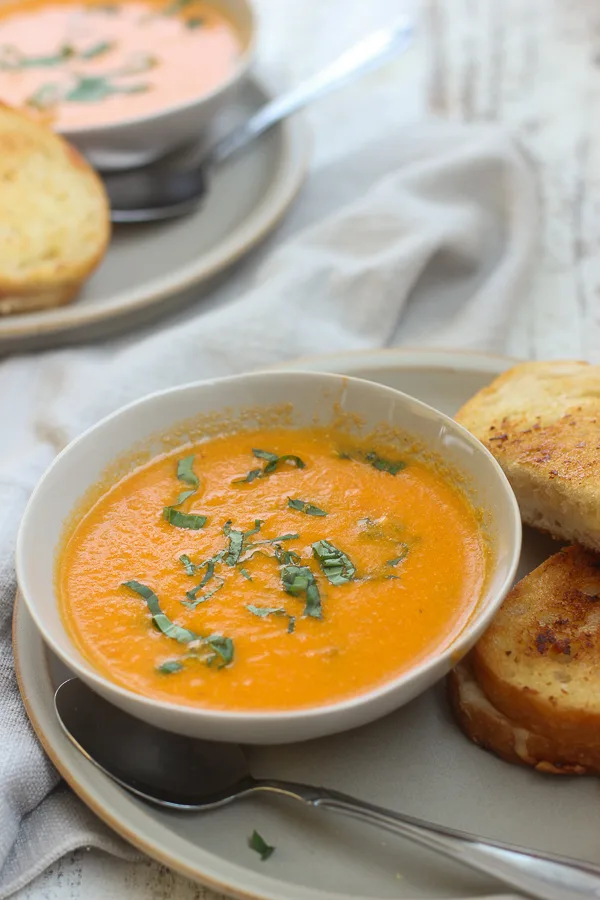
[(188, 774), (175, 185)]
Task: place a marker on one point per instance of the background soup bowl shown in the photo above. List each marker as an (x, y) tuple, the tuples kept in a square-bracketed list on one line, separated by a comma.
[(223, 402), (139, 140)]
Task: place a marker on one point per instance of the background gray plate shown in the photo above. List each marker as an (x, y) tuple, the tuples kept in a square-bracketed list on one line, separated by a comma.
[(147, 265)]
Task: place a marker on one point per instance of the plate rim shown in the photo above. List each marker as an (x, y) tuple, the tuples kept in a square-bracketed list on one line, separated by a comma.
[(294, 159), (404, 358)]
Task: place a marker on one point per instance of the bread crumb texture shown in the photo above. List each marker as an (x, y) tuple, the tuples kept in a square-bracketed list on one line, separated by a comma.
[(541, 421), (55, 225), (530, 690)]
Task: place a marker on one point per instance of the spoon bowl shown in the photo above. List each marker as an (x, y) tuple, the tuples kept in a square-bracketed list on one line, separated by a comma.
[(175, 185)]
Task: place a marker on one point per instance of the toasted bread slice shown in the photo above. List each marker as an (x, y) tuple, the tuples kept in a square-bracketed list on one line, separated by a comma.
[(492, 730), (54, 226), (541, 420), (539, 662)]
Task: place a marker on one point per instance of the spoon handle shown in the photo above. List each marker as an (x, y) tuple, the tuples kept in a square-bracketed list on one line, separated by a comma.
[(370, 52), (545, 876)]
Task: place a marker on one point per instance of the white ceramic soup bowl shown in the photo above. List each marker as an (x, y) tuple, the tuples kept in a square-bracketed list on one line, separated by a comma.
[(311, 397), (139, 140)]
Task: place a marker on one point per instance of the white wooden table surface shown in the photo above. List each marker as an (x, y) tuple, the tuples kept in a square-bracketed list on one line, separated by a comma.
[(532, 64)]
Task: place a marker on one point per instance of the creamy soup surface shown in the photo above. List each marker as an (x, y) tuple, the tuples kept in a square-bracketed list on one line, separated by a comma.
[(91, 64), (270, 570)]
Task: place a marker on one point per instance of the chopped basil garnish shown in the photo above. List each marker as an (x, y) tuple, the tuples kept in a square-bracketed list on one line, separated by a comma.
[(194, 600), (277, 540), (236, 542), (183, 520), (257, 843), (400, 558), (195, 22), (337, 567), (93, 88), (246, 574), (298, 580), (11, 58), (263, 611), (384, 465), (167, 668), (162, 621), (190, 568), (185, 471), (286, 557), (97, 50), (302, 506), (378, 462), (272, 462), (223, 648)]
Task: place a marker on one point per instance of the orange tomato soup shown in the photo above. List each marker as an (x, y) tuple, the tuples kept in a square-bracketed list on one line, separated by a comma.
[(267, 570), (88, 64)]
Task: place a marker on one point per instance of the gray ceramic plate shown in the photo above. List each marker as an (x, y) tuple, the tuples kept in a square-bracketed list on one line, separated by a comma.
[(415, 760), (147, 265)]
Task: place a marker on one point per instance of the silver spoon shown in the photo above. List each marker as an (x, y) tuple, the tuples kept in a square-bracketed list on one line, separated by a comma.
[(188, 774), (171, 188)]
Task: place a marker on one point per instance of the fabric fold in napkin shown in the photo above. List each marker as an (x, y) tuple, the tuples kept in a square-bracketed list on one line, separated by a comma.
[(425, 238)]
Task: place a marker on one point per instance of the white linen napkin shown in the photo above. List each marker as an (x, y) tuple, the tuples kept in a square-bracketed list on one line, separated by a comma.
[(427, 237)]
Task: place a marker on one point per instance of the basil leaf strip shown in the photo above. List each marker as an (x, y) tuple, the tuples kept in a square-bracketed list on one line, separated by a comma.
[(264, 611), (97, 50), (277, 540), (94, 88), (162, 621), (384, 465), (184, 520), (195, 22), (265, 454), (378, 462), (195, 601), (272, 462), (190, 568), (302, 506), (286, 557), (237, 540), (298, 580), (170, 666), (185, 471), (223, 647), (400, 558), (257, 843), (336, 566), (246, 574)]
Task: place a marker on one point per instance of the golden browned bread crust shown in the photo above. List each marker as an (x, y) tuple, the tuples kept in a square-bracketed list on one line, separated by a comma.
[(541, 420), (55, 224), (539, 662), (493, 731)]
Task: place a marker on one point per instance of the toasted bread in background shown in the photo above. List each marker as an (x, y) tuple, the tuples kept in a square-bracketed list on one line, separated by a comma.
[(541, 420), (54, 216), (531, 692)]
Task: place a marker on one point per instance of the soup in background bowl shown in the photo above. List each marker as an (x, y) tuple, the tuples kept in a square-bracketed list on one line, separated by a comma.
[(89, 64), (268, 558), (125, 80)]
